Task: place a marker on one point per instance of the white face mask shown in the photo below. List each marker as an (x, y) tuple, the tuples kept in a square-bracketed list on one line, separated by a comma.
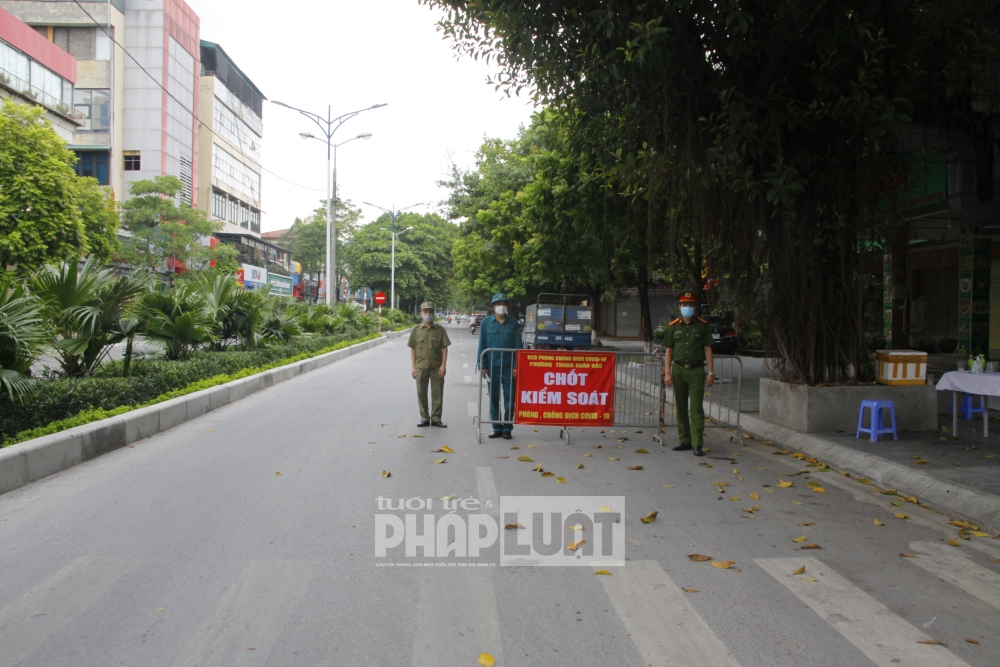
[(500, 310), (687, 311), (428, 317)]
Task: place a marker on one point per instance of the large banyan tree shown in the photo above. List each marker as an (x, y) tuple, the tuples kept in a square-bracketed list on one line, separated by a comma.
[(762, 136)]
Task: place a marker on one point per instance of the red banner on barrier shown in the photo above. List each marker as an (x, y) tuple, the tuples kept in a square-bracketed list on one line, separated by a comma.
[(565, 388)]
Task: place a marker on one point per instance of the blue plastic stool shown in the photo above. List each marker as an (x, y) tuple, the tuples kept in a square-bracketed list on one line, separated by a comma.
[(967, 410), (876, 429)]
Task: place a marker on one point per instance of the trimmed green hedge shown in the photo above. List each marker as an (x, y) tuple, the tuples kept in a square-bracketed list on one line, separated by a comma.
[(65, 403)]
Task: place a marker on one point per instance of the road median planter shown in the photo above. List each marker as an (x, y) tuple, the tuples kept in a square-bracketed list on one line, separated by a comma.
[(34, 459), (829, 409)]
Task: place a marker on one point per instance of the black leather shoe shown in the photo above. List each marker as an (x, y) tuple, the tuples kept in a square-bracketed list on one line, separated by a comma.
[(439, 424), (495, 435), (698, 451), (683, 447), (423, 424), (507, 436)]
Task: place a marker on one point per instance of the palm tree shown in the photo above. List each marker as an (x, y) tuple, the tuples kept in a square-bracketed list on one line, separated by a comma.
[(176, 319), (22, 335), (85, 308)]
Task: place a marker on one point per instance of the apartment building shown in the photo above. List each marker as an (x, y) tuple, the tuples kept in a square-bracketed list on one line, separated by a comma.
[(95, 101), (35, 71), (135, 112), (229, 176)]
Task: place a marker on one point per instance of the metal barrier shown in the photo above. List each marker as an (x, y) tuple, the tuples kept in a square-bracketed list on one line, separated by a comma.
[(722, 409), (639, 391)]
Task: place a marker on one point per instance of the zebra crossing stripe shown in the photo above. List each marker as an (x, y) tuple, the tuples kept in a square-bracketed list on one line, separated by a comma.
[(665, 627), (255, 609), (948, 563), (27, 622), (457, 618), (873, 628)]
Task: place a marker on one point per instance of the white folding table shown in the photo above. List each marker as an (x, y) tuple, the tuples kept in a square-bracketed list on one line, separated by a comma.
[(974, 384)]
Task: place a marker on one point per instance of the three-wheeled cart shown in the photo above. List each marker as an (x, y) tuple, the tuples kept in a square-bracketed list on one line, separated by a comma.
[(559, 322)]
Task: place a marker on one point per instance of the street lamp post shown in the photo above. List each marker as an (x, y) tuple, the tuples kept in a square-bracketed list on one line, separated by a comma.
[(392, 218), (331, 202), (328, 126)]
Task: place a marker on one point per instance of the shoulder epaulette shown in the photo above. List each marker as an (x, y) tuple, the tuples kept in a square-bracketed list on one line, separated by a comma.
[(703, 320), (674, 322)]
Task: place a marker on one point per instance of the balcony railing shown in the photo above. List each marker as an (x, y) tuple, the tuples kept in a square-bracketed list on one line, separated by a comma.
[(22, 87)]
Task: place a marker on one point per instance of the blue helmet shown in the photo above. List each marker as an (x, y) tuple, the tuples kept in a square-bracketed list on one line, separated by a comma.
[(499, 296)]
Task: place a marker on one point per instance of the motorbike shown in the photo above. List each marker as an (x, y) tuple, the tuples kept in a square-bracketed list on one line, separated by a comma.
[(473, 325), (449, 319)]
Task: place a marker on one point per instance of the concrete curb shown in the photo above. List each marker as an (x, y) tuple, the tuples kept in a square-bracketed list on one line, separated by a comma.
[(35, 459), (950, 497)]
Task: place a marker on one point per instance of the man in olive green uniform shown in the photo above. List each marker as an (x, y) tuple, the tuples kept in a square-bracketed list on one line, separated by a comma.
[(688, 344), (428, 360)]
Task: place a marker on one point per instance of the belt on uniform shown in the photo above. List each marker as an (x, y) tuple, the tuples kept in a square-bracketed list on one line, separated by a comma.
[(690, 366)]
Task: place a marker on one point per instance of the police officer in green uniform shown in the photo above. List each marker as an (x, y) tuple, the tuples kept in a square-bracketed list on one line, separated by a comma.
[(688, 344), (429, 360)]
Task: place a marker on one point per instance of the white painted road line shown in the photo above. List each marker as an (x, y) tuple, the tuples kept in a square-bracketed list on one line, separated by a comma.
[(465, 364), (664, 626), (488, 498), (253, 612), (948, 563), (873, 628), (468, 379), (457, 619), (27, 622)]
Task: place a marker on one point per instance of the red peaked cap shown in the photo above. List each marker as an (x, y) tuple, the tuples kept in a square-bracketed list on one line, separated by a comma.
[(687, 297)]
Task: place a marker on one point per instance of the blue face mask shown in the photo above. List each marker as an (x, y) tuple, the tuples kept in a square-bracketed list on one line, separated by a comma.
[(687, 311)]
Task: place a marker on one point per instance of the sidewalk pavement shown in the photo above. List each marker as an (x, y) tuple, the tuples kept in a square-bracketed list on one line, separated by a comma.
[(959, 474)]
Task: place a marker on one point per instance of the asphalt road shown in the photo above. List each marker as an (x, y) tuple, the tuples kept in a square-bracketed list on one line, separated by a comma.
[(189, 549)]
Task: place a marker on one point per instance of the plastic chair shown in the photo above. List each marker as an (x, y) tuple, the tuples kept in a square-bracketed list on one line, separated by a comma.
[(876, 429), (966, 410)]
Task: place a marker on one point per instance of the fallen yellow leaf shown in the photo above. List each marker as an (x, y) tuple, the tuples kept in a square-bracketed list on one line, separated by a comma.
[(769, 490), (447, 497), (586, 454), (895, 504), (963, 524), (526, 459), (667, 486), (560, 480), (972, 641), (578, 526), (537, 468), (602, 572), (801, 538), (642, 451), (928, 641), (515, 447), (906, 555), (385, 473), (735, 498), (810, 546), (736, 471), (864, 481), (979, 533), (953, 543), (604, 508), (723, 564), (754, 495), (514, 526), (785, 484), (277, 474), (689, 590), (807, 523), (699, 558), (795, 502), (878, 523), (614, 458), (447, 450), (651, 517), (635, 467), (439, 460), (900, 515), (403, 436), (530, 446), (576, 545), (548, 474), (486, 660), (799, 571), (579, 466), (417, 435), (819, 489)]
